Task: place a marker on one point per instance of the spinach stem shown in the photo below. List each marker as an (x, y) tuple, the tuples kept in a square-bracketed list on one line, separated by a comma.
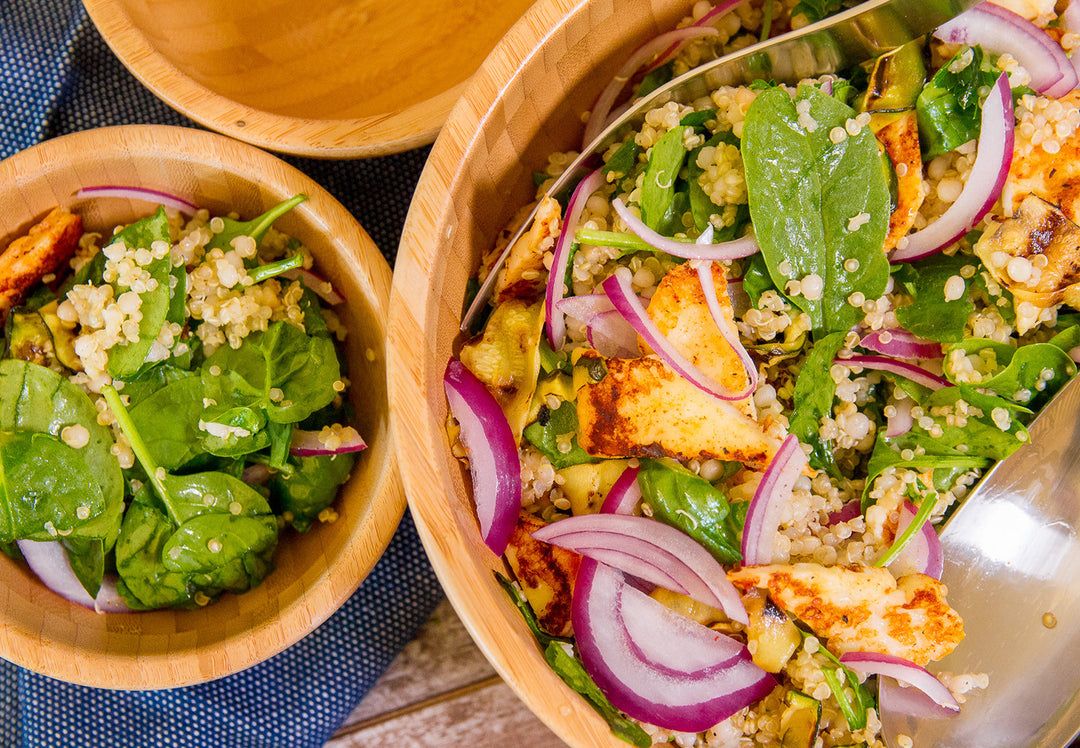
[(766, 21), (926, 506), (595, 238), (264, 272), (262, 224), (138, 446)]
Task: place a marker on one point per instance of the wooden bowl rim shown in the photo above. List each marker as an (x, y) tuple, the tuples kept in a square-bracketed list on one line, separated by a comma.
[(375, 523), (345, 138)]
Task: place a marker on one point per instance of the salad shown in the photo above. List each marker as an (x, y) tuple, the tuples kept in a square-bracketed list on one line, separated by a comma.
[(171, 400), (731, 383)]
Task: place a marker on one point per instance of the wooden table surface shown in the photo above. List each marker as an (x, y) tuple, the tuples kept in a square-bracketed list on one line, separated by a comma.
[(440, 691)]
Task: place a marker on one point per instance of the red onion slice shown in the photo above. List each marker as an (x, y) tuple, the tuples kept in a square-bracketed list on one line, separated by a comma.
[(727, 327), (556, 285), (723, 251), (719, 11), (650, 550), (140, 193), (997, 29), (322, 287), (983, 185), (654, 664), (624, 495), (846, 513), (922, 554), (611, 335), (494, 464), (875, 663), (584, 308), (310, 443), (618, 289), (901, 421), (773, 493), (49, 561), (896, 699), (903, 368), (900, 343)]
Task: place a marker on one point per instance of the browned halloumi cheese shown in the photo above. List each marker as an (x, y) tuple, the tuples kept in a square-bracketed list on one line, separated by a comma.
[(642, 408), (546, 574), (1054, 177), (40, 252), (900, 138), (523, 275), (680, 311), (862, 609)]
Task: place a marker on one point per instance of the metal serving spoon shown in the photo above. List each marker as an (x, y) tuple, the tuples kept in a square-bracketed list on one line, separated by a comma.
[(1012, 567)]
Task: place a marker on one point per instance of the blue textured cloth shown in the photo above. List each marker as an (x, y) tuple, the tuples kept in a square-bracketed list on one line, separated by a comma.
[(58, 76)]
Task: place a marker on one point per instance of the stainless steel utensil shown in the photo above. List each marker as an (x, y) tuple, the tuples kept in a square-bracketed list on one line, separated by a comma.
[(1012, 566), (828, 46)]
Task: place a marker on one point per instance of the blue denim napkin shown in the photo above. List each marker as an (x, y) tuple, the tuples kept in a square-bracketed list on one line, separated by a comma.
[(58, 76)]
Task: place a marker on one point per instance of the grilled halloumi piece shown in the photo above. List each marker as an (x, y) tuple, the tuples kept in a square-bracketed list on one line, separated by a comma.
[(680, 311), (41, 251), (1055, 177), (523, 275), (642, 408), (546, 574), (900, 138), (861, 608)]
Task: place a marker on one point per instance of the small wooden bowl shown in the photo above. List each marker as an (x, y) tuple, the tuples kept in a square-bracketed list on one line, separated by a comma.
[(321, 78), (523, 103), (317, 571)]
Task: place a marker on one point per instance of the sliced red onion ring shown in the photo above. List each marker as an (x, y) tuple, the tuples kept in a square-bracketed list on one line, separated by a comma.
[(556, 285), (310, 443), (49, 561), (624, 495), (727, 328), (139, 193), (599, 114), (997, 29), (584, 308), (612, 336), (773, 493), (654, 664), (875, 663), (896, 699), (720, 10), (723, 251), (922, 554), (903, 368), (901, 421), (1074, 354), (650, 550), (256, 474), (983, 185), (846, 513), (900, 343), (618, 289), (322, 287), (494, 464)]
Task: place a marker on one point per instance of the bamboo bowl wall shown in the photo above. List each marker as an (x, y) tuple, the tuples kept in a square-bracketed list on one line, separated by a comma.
[(316, 572), (324, 78), (523, 103)]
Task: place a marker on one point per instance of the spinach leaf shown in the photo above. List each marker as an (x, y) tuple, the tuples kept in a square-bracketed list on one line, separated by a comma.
[(886, 455), (756, 279), (145, 582), (702, 206), (545, 431), (303, 367), (309, 486), (804, 190), (930, 315), (654, 79), (87, 559), (623, 161), (813, 400), (815, 10), (1028, 375), (128, 359), (948, 108), (256, 228), (231, 430), (659, 209), (692, 504), (273, 269), (174, 441)]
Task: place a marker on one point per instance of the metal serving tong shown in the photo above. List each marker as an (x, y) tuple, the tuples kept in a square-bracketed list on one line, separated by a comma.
[(828, 46)]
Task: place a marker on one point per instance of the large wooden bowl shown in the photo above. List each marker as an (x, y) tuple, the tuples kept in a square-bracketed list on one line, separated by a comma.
[(523, 103), (316, 572), (322, 78)]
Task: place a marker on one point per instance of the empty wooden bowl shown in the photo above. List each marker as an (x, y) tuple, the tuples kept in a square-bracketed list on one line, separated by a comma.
[(322, 78), (523, 103), (315, 572)]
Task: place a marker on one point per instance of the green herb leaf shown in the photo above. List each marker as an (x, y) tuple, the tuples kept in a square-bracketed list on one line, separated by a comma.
[(949, 108), (174, 441), (1029, 375), (659, 207), (930, 315), (813, 400), (256, 228), (545, 431), (309, 486), (804, 190)]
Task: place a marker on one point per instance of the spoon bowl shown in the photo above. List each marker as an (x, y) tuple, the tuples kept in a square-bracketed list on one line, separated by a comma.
[(1012, 562)]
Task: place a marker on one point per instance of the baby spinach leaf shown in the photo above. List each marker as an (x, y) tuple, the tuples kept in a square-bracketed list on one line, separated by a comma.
[(314, 321), (692, 504), (223, 551), (813, 400), (127, 360), (260, 273), (310, 486), (87, 559), (930, 315), (654, 79), (948, 108), (756, 279), (886, 455), (545, 431), (623, 161), (659, 209), (815, 10), (1028, 375), (303, 367), (230, 430), (145, 582), (805, 189), (174, 441), (256, 228)]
